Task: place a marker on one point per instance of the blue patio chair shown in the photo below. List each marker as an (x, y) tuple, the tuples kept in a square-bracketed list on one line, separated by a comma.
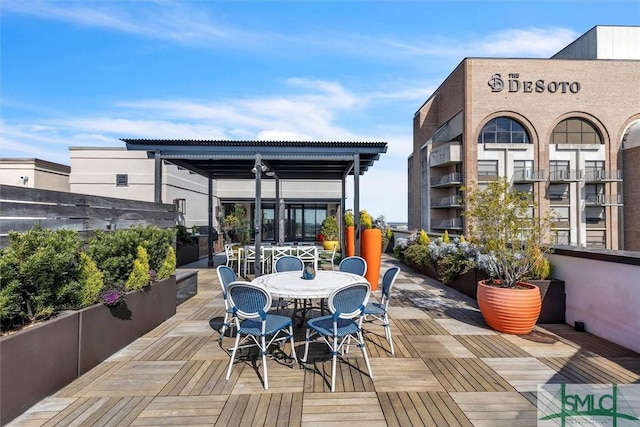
[(347, 305), (257, 329), (288, 263), (226, 275), (377, 311), (353, 264)]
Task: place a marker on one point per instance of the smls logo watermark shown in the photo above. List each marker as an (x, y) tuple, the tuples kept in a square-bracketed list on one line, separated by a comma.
[(588, 405)]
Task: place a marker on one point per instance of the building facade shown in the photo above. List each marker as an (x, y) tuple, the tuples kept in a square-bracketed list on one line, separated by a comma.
[(555, 127), (120, 173), (34, 173)]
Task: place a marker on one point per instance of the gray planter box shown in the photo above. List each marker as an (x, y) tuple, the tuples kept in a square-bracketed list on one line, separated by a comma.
[(42, 359)]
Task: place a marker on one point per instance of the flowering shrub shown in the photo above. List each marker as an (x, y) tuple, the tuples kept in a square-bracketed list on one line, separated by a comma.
[(450, 257)]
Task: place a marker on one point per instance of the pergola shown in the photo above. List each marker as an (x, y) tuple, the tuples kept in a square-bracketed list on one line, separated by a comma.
[(224, 159)]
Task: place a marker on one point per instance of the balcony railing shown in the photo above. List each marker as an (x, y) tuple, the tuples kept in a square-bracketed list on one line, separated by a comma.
[(529, 175), (446, 202), (449, 180), (604, 200), (601, 175), (446, 154), (565, 175), (449, 224)]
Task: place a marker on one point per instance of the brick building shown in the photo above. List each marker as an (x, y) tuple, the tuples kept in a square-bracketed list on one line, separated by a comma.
[(557, 128)]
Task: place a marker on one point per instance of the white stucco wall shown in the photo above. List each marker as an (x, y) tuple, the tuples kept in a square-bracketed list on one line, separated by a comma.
[(603, 295)]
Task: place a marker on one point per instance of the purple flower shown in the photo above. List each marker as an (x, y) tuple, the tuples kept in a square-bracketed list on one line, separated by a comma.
[(112, 297)]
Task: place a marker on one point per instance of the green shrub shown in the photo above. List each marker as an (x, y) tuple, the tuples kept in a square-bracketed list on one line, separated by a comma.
[(139, 276), (115, 252), (423, 238), (330, 228), (348, 218), (168, 266), (417, 255), (39, 273), (91, 281), (366, 221)]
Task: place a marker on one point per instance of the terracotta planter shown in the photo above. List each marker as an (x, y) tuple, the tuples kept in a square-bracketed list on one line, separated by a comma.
[(371, 251), (512, 311), (350, 240)]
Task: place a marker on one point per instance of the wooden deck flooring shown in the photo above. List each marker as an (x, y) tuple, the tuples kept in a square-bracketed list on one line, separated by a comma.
[(449, 368)]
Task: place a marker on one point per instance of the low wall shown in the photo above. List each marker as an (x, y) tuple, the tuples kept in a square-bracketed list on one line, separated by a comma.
[(603, 291)]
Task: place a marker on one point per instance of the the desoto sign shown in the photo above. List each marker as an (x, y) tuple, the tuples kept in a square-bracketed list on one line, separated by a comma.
[(515, 84)]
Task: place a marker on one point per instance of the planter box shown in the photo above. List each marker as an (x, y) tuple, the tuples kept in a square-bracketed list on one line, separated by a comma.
[(553, 300), (186, 254), (42, 359), (468, 282)]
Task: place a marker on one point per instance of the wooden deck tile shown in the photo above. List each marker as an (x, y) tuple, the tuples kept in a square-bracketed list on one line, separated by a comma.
[(421, 409), (525, 373), (437, 346), (354, 408), (403, 375), (496, 409), (419, 327), (181, 411), (466, 374), (491, 346), (595, 370), (542, 345), (459, 327)]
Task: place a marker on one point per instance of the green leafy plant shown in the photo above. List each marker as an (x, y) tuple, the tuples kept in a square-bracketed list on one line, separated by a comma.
[(348, 218), (168, 265), (91, 281), (236, 225), (513, 241), (39, 273), (366, 222), (114, 252), (329, 228), (183, 236), (139, 277)]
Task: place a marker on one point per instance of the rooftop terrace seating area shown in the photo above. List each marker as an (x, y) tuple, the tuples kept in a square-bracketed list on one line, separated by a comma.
[(449, 368)]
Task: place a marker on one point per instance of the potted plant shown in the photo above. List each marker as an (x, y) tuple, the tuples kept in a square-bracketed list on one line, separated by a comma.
[(513, 243), (236, 226), (371, 248), (349, 233), (329, 230)]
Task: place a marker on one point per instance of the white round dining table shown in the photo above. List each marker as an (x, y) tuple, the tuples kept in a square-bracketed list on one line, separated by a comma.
[(290, 284)]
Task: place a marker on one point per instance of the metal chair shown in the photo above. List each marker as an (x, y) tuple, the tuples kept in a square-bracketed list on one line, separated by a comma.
[(288, 263), (231, 251), (226, 276), (347, 305), (328, 257), (353, 264), (251, 303), (378, 310)]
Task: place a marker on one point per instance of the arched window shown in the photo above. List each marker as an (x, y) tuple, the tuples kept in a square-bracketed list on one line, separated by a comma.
[(575, 131), (503, 130)]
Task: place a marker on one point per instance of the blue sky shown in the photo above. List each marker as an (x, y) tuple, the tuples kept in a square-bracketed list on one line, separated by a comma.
[(86, 73)]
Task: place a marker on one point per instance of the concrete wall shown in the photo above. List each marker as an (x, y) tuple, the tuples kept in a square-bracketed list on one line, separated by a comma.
[(34, 173)]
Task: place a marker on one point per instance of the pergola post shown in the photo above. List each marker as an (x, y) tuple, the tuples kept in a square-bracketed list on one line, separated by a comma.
[(157, 182), (356, 200), (210, 223), (257, 223)]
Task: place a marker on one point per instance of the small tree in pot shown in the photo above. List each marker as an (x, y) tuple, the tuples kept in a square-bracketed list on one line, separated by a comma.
[(329, 230), (513, 242)]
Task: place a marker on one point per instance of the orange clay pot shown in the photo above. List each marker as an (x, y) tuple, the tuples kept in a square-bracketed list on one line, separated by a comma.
[(512, 311), (350, 240), (371, 251)]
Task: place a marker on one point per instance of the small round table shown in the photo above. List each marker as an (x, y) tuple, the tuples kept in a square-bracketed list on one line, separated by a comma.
[(290, 284)]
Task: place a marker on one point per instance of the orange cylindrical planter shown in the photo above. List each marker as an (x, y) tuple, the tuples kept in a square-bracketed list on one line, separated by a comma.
[(513, 311), (350, 240), (371, 251)]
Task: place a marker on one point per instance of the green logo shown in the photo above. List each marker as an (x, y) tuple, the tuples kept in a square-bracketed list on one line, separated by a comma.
[(588, 404)]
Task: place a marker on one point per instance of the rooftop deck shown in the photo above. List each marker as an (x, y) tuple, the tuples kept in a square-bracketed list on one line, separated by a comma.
[(449, 369)]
